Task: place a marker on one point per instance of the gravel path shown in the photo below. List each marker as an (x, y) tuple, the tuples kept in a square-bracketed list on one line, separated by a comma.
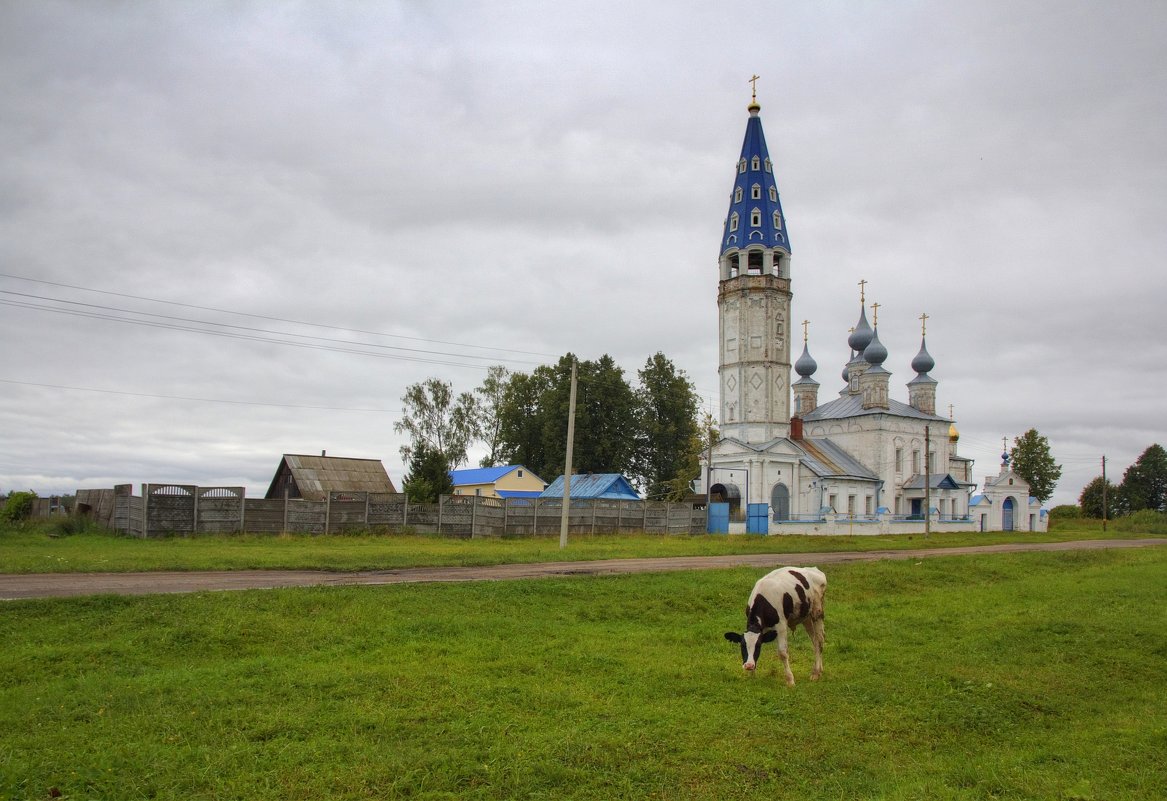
[(59, 585)]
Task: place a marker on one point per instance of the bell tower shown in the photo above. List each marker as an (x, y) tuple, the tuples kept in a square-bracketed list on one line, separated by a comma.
[(753, 299)]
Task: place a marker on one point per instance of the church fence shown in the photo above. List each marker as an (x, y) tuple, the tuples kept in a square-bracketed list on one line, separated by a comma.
[(184, 510)]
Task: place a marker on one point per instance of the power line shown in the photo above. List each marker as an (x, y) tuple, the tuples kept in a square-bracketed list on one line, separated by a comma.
[(273, 319), (201, 400)]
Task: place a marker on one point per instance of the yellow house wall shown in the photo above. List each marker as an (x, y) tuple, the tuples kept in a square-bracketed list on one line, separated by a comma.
[(511, 481)]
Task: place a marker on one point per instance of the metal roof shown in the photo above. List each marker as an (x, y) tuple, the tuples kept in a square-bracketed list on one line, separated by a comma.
[(852, 406), (484, 475), (936, 481), (594, 485), (825, 458)]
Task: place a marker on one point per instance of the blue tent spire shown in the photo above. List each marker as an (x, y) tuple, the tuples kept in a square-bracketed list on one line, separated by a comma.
[(755, 211)]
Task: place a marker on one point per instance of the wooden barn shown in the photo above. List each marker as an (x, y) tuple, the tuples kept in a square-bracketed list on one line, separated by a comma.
[(313, 477)]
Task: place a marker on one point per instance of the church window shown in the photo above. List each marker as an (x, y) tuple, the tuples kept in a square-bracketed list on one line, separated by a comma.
[(777, 219), (899, 460), (867, 505), (737, 195), (769, 166), (850, 505), (756, 164), (773, 194), (931, 461), (733, 221), (741, 165), (755, 218), (915, 461), (756, 192)]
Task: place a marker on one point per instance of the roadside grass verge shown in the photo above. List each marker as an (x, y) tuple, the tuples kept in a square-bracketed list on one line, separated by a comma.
[(41, 549), (1037, 675)]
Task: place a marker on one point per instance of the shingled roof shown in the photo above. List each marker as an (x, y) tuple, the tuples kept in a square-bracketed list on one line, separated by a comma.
[(313, 477)]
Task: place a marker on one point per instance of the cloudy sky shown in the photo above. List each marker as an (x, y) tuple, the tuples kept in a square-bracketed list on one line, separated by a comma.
[(234, 230)]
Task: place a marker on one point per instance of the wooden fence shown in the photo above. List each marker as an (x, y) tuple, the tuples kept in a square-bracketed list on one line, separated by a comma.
[(183, 509)]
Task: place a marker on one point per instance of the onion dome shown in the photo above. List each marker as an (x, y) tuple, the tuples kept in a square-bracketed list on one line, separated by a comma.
[(953, 434), (875, 353), (923, 362), (806, 365), (847, 371), (861, 337)]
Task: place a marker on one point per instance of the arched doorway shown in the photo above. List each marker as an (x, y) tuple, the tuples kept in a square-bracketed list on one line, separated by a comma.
[(1007, 515), (728, 493), (780, 502)]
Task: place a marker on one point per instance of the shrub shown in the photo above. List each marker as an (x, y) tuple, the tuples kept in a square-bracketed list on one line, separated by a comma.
[(1067, 511), (18, 506)]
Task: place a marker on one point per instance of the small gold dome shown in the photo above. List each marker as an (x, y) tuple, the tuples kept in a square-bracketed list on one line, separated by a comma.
[(953, 434)]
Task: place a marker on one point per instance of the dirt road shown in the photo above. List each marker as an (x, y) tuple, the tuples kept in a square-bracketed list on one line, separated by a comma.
[(56, 585)]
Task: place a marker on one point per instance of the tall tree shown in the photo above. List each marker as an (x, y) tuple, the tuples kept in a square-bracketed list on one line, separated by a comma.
[(489, 402), (1033, 461), (1144, 485), (520, 422), (429, 475), (434, 417), (670, 443), (1090, 501)]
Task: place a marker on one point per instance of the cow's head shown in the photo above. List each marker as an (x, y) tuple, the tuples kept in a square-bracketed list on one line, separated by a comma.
[(751, 643)]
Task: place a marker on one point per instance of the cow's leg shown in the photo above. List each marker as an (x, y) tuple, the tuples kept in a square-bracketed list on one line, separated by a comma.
[(784, 654), (814, 628)]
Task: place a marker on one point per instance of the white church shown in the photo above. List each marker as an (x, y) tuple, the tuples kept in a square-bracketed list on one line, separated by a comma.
[(862, 462)]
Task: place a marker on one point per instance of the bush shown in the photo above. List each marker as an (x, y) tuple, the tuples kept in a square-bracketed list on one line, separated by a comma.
[(1067, 511), (18, 506)]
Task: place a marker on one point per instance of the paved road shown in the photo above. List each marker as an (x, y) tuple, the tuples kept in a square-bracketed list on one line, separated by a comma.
[(50, 585)]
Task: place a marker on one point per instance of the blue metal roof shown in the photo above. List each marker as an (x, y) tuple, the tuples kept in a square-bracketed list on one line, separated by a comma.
[(518, 493), (481, 475), (755, 196), (594, 485)]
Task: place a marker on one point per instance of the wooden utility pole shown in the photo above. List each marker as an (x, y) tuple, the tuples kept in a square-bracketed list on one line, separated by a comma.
[(567, 465), (1104, 493), (927, 481)]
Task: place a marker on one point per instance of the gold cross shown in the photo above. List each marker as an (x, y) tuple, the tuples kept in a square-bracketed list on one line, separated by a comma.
[(923, 324), (754, 88), (805, 323), (875, 314), (862, 287)]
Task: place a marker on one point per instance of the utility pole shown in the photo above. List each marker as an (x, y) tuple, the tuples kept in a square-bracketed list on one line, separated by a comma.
[(708, 458), (927, 481), (1104, 492), (567, 466)]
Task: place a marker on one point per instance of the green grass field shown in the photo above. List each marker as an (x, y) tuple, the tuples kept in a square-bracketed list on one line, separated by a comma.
[(1013, 676), (38, 548)]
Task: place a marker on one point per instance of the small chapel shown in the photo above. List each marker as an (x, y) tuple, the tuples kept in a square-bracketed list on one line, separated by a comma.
[(789, 461)]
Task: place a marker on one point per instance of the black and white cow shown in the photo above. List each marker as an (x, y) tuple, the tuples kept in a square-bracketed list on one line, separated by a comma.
[(780, 601)]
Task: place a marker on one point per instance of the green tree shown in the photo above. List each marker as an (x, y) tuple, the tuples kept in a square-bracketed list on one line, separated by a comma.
[(434, 417), (429, 475), (669, 441), (489, 403), (18, 506), (1032, 460), (1144, 485), (1090, 501), (520, 426)]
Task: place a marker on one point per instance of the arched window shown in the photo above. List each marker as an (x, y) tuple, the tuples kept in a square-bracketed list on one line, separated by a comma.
[(777, 219), (733, 218), (737, 195), (756, 192), (773, 194), (755, 218), (741, 165), (756, 164), (769, 166)]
